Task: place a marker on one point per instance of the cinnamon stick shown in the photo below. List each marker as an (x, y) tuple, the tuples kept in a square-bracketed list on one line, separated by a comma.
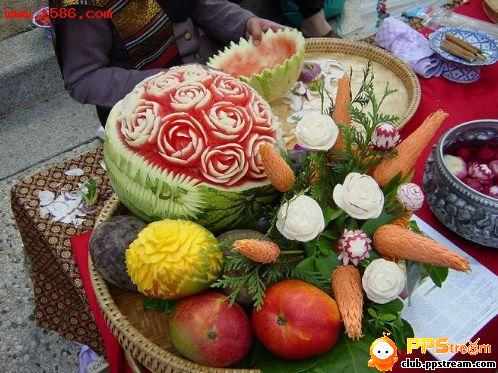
[(458, 51), (465, 45)]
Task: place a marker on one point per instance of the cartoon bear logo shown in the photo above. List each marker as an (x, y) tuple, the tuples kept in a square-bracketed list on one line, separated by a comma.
[(383, 354)]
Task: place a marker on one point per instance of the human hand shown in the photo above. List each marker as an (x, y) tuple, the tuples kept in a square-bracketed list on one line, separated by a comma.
[(257, 26)]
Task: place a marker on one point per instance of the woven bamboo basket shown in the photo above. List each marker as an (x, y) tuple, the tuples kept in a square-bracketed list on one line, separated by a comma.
[(144, 337)]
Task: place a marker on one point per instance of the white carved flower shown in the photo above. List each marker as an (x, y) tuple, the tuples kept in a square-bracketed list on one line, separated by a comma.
[(190, 95), (256, 169), (224, 164), (316, 131), (300, 219), (359, 196), (142, 125), (383, 281), (228, 122), (181, 139)]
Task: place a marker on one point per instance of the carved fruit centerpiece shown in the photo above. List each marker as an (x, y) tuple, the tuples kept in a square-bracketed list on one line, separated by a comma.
[(184, 144)]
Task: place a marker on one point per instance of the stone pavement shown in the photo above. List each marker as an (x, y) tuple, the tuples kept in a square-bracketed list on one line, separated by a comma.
[(38, 127)]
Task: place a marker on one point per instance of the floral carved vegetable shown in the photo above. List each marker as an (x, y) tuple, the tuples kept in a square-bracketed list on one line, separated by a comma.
[(171, 259), (410, 196), (316, 131), (409, 150), (354, 246), (360, 196), (385, 137), (300, 219), (394, 242), (185, 145), (383, 281), (346, 287)]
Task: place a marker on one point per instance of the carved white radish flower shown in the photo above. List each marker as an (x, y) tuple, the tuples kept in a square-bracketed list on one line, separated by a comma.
[(256, 169), (141, 126), (224, 164), (181, 139), (300, 219), (190, 95), (359, 196), (410, 196), (383, 281), (228, 122), (228, 88), (354, 246), (385, 136), (316, 131)]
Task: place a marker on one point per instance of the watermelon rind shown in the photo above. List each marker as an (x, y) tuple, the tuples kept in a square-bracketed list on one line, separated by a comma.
[(153, 194), (271, 83)]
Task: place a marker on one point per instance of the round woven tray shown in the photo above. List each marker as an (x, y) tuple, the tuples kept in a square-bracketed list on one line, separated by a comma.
[(354, 54), (144, 337)]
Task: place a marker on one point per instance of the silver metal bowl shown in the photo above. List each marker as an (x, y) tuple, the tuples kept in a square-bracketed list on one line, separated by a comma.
[(463, 210)]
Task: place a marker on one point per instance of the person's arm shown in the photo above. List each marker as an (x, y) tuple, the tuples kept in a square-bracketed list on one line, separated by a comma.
[(85, 47), (222, 20)]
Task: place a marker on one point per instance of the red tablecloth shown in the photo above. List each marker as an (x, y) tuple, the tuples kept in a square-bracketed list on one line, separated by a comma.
[(463, 103)]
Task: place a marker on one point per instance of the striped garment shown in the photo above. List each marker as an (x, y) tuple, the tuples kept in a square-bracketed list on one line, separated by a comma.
[(145, 30)]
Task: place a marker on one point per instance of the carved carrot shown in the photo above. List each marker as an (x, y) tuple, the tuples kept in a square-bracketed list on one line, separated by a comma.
[(258, 251), (346, 287), (409, 150), (276, 168), (341, 113), (395, 242)]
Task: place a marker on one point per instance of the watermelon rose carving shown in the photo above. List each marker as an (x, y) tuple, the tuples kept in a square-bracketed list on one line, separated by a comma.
[(184, 144)]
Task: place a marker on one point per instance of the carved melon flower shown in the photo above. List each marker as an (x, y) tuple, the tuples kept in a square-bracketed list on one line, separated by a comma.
[(160, 85), (224, 164), (228, 122), (359, 196), (173, 258), (256, 167), (227, 88), (181, 139), (142, 125), (316, 131), (190, 95), (300, 219), (261, 114), (354, 246), (383, 281)]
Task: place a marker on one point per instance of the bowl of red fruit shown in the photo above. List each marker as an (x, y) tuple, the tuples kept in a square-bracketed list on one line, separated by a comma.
[(461, 181)]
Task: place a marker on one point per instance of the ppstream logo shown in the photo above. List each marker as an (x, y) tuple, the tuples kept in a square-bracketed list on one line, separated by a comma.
[(384, 354)]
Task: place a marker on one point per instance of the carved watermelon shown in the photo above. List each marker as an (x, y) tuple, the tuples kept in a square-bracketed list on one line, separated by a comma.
[(272, 67), (184, 145)]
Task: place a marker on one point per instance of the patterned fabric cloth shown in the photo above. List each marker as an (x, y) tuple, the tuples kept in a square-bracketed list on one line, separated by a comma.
[(60, 302)]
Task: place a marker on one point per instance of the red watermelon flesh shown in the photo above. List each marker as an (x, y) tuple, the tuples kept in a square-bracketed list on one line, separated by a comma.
[(269, 53), (200, 123)]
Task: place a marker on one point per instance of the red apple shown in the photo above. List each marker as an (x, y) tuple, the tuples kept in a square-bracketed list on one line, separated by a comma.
[(297, 320), (206, 329)]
